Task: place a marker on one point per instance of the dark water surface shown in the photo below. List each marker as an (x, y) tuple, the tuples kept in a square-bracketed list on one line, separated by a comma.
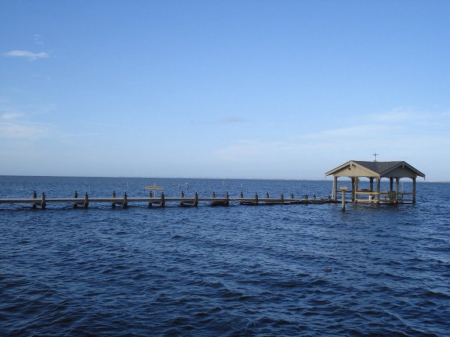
[(298, 270)]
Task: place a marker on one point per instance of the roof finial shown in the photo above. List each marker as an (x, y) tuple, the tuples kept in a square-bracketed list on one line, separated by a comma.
[(376, 154)]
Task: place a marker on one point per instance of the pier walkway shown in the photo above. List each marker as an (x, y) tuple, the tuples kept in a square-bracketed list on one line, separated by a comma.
[(161, 200)]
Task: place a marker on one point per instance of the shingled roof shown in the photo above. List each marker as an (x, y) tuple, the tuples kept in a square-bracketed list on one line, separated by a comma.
[(376, 168)]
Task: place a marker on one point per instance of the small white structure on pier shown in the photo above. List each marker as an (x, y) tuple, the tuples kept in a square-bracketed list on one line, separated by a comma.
[(376, 170)]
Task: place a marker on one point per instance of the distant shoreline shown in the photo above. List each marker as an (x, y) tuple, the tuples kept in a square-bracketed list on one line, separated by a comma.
[(190, 178)]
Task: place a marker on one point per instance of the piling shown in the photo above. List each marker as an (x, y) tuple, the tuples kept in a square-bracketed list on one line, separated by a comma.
[(125, 200), (75, 195), (86, 200), (150, 205), (43, 204), (195, 199), (343, 189), (34, 197)]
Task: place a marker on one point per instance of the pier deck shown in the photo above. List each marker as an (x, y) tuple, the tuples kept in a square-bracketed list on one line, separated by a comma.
[(386, 197), (161, 201)]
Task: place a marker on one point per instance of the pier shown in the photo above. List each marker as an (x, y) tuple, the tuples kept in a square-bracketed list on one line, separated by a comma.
[(353, 170), (161, 201)]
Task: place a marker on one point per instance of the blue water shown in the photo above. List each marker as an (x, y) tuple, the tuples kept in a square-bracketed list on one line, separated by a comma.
[(282, 270)]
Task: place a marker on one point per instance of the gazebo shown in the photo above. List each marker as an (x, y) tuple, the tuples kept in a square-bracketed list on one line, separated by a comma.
[(376, 170)]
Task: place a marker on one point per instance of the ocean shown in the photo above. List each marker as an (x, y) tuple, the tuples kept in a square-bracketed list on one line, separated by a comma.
[(280, 270)]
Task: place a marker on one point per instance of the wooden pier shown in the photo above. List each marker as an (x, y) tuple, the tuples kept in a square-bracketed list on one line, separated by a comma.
[(161, 201)]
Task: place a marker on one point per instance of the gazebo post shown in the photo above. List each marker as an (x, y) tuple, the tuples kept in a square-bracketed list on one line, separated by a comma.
[(354, 189), (335, 188), (397, 183), (414, 190), (391, 184), (378, 189), (371, 184)]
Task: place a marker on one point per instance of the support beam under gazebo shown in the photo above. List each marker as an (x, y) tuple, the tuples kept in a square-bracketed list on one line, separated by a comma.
[(378, 189), (335, 187)]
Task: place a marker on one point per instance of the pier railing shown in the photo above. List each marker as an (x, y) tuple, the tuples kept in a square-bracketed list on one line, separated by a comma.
[(384, 197)]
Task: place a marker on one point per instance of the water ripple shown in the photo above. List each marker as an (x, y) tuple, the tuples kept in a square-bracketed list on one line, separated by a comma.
[(237, 271)]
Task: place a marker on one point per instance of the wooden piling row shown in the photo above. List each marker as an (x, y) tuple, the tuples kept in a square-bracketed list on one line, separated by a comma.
[(161, 201)]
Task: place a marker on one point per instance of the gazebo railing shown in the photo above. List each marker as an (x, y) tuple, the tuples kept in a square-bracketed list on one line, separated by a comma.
[(385, 197)]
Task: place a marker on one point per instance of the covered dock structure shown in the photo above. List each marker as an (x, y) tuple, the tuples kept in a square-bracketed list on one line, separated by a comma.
[(375, 171)]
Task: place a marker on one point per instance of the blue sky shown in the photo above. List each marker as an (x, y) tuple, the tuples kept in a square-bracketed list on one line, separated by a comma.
[(222, 89)]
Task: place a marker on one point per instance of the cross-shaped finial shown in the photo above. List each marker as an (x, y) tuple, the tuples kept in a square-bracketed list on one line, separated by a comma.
[(376, 154)]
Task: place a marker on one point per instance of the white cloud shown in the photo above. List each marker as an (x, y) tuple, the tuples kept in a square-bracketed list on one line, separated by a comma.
[(397, 114), (357, 131), (401, 134), (23, 131), (12, 115), (27, 54)]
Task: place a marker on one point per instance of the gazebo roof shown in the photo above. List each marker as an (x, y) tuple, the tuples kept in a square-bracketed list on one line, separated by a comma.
[(376, 169)]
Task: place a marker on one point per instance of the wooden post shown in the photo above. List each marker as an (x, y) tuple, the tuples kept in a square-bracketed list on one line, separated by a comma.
[(213, 195), (282, 198), (371, 184), (86, 200), (195, 199), (256, 198), (335, 181), (125, 200), (292, 195), (150, 202), (182, 196), (34, 197), (414, 190), (267, 195), (306, 198), (397, 183), (378, 189), (354, 189), (43, 203), (113, 205), (391, 184), (163, 202), (227, 199), (241, 195), (343, 189), (75, 195)]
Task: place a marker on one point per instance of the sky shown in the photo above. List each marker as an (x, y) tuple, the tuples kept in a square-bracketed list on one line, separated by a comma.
[(222, 89)]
